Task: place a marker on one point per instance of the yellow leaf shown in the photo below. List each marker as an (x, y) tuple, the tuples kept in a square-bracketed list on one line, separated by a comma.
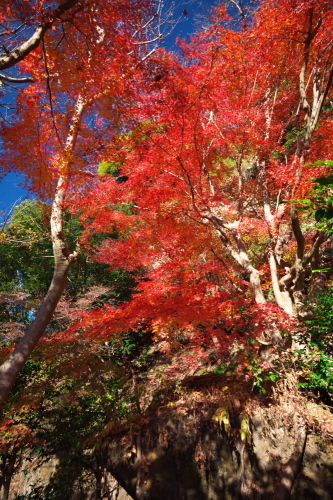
[(245, 430), (221, 416)]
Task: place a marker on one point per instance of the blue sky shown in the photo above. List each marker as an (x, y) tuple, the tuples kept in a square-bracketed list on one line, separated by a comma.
[(11, 194)]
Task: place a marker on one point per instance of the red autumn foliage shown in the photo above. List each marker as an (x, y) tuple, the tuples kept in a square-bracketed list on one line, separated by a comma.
[(220, 145), (208, 152)]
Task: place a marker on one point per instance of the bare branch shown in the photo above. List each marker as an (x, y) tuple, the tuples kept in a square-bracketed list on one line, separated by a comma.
[(50, 94), (298, 234), (26, 79)]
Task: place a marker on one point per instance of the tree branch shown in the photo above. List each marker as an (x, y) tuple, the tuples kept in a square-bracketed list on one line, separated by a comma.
[(19, 53), (11, 79)]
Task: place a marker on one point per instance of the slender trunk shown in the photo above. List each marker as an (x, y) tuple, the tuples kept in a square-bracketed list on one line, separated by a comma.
[(256, 286), (63, 259), (241, 256), (10, 369), (282, 297), (98, 488)]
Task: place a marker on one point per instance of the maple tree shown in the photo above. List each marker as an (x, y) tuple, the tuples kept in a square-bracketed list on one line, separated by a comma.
[(203, 158), (211, 171), (204, 193), (89, 77)]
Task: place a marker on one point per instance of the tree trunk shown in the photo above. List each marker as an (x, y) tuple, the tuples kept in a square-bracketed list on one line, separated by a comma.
[(282, 297), (10, 369), (63, 260), (7, 472), (5, 489)]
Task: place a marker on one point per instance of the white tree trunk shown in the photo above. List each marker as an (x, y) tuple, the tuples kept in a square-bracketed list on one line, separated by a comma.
[(63, 259), (10, 369)]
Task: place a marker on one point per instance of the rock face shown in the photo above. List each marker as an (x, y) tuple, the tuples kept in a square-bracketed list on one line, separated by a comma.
[(32, 476), (188, 457), (31, 482), (231, 447)]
